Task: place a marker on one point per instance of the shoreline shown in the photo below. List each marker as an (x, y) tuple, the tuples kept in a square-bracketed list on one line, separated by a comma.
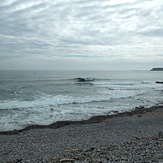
[(135, 136), (95, 119)]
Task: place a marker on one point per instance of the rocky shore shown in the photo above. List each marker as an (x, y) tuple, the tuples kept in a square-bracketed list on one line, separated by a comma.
[(135, 136)]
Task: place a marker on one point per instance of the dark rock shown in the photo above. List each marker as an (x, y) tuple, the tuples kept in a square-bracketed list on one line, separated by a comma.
[(157, 69), (158, 82)]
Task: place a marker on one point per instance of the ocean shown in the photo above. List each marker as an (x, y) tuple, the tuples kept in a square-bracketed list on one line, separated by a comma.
[(45, 97)]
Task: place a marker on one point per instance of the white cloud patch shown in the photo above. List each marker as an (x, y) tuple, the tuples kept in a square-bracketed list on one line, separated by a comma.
[(80, 30)]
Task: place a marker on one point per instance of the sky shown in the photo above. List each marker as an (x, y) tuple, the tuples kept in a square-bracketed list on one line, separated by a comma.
[(81, 34)]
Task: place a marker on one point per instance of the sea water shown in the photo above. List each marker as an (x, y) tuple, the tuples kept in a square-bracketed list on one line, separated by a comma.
[(45, 97)]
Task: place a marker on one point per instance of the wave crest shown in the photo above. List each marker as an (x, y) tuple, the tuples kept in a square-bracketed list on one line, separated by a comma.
[(84, 79)]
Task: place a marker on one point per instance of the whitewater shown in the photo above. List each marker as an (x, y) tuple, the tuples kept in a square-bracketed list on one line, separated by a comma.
[(45, 97)]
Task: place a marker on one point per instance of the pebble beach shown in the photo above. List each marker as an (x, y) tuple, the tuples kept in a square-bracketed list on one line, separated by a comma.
[(135, 136)]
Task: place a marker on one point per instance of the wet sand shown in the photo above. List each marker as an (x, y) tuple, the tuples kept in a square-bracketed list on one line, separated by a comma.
[(85, 141)]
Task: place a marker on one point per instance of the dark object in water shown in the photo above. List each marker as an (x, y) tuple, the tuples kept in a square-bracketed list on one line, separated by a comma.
[(157, 69), (158, 82)]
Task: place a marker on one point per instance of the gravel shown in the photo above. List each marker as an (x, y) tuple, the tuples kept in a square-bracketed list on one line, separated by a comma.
[(136, 138), (144, 150)]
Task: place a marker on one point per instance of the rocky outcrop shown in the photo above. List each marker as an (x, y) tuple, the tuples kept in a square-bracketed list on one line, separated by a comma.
[(157, 69), (158, 82)]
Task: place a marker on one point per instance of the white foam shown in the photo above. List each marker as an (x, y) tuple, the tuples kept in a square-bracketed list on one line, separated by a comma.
[(49, 100), (16, 114)]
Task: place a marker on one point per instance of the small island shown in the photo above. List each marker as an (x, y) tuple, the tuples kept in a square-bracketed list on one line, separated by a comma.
[(157, 69)]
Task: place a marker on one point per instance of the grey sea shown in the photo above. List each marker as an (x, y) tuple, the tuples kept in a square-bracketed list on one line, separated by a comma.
[(45, 97)]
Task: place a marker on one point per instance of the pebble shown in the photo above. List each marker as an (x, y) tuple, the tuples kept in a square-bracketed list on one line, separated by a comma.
[(122, 140), (142, 150)]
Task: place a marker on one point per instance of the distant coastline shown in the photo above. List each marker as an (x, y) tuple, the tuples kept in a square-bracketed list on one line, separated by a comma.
[(157, 69)]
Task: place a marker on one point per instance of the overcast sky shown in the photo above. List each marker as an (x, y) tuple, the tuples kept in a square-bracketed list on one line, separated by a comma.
[(81, 34)]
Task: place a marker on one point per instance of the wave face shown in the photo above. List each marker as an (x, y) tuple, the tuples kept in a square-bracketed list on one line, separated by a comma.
[(28, 97), (84, 79)]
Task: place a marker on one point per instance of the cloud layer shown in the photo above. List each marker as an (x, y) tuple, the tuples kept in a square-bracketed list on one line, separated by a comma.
[(80, 31)]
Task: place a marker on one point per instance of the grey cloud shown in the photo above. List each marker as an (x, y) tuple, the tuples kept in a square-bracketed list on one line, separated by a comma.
[(158, 32), (91, 29)]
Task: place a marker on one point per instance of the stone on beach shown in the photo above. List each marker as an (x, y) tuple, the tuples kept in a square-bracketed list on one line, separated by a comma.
[(122, 138)]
